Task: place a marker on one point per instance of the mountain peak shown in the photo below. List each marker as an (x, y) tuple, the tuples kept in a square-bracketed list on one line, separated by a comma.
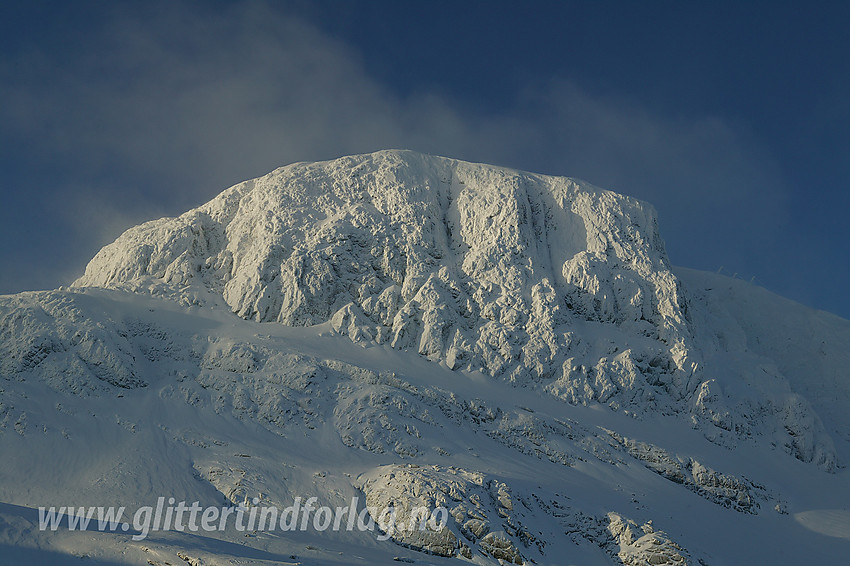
[(381, 239), (539, 280), (509, 348)]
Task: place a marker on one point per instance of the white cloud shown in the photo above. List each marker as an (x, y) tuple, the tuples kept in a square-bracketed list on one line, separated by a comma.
[(170, 106)]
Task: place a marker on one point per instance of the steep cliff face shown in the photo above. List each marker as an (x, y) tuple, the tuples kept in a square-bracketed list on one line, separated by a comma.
[(474, 265)]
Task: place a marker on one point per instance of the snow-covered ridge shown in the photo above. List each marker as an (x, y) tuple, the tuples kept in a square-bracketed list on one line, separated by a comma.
[(227, 409), (544, 281)]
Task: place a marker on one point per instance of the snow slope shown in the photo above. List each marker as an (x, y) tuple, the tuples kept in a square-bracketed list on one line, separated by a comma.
[(415, 330)]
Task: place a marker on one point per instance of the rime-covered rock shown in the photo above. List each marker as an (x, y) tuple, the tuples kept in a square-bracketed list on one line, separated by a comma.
[(473, 265), (478, 511)]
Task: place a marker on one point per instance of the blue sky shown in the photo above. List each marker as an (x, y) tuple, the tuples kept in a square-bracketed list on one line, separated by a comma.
[(732, 118)]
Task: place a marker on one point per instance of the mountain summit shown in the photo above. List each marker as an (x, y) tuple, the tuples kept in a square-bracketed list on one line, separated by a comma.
[(422, 331), (544, 281)]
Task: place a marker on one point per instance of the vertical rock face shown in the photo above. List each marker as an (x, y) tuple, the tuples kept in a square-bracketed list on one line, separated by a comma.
[(478, 266), (543, 281)]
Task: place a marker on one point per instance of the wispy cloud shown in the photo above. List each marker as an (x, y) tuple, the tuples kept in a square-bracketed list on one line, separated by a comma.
[(159, 110)]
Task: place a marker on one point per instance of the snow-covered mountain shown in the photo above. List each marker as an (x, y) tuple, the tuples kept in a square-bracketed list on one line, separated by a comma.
[(418, 331)]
